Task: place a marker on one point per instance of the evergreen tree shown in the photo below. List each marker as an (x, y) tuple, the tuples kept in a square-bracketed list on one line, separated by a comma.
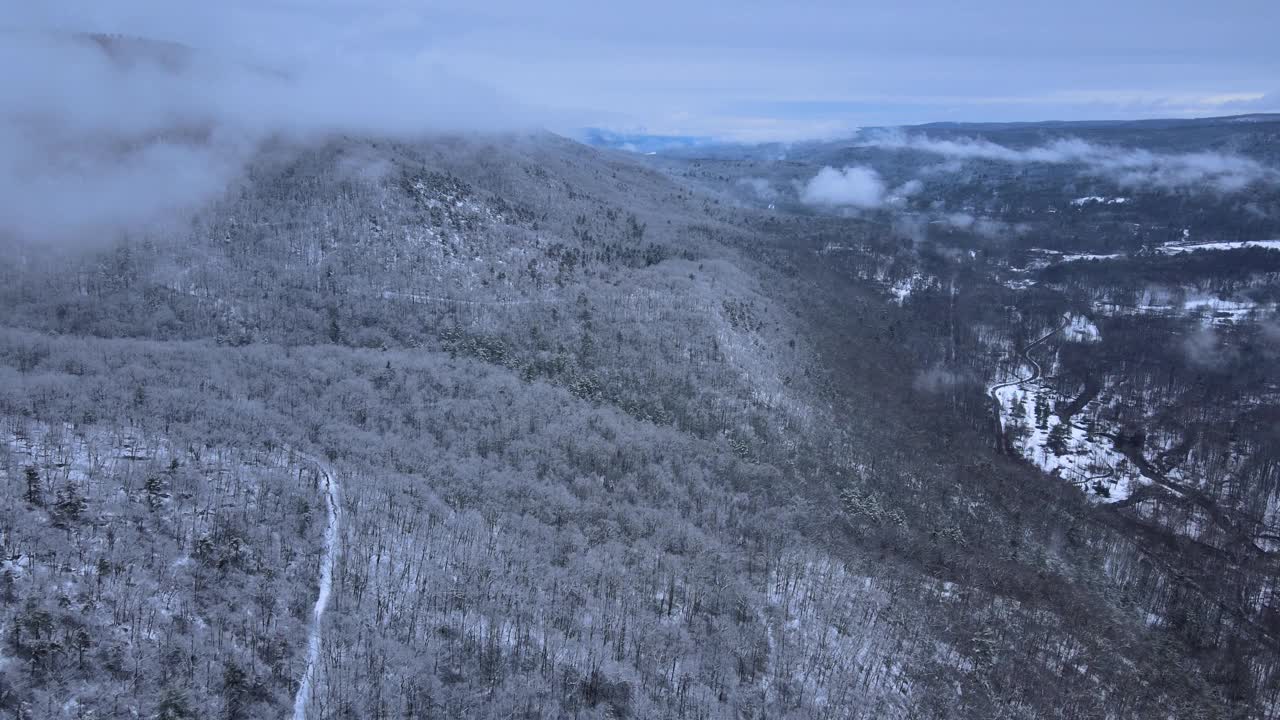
[(173, 706), (235, 690), (1042, 411), (1058, 438), (34, 493), (154, 489), (68, 506)]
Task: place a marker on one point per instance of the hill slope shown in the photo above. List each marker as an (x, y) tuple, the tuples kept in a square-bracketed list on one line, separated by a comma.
[(609, 447)]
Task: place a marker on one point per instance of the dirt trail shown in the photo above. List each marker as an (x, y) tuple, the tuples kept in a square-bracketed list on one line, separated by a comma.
[(331, 495)]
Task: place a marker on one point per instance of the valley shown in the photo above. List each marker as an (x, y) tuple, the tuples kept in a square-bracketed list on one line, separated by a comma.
[(1119, 355), (598, 361), (492, 426)]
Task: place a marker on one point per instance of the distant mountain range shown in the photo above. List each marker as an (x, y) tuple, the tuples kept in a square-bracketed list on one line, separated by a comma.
[(641, 142), (680, 144), (1148, 124)]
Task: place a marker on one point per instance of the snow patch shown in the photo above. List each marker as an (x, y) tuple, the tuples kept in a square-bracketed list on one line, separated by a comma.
[(1099, 200), (1210, 309), (902, 289), (1076, 257), (1179, 248), (1084, 458), (1081, 329)]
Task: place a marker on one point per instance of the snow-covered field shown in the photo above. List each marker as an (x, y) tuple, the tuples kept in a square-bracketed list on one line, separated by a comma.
[(1209, 309), (1046, 257), (902, 289), (1049, 257), (1076, 257), (1081, 329), (1087, 460), (1217, 310), (1186, 248), (1098, 200)]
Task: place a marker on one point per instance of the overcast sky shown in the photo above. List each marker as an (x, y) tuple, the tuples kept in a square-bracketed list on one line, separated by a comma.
[(752, 70)]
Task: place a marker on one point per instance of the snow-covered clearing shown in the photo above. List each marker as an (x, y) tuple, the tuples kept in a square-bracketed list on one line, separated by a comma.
[(1208, 308), (902, 289), (1081, 329), (1044, 257), (1217, 310), (1077, 257), (1088, 460), (1186, 248), (1070, 452), (1098, 200), (1019, 283)]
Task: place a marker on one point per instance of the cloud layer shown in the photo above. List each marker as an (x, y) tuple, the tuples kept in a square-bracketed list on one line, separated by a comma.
[(681, 68), (116, 132), (1129, 167), (859, 187)]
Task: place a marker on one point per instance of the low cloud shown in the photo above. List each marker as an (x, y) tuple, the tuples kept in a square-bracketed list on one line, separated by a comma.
[(1269, 334), (760, 187), (115, 132), (1129, 167), (915, 226), (1204, 349), (908, 189), (858, 187), (938, 379), (982, 226), (1265, 103)]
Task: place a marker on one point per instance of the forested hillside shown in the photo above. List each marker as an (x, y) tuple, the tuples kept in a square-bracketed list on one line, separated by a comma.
[(609, 446)]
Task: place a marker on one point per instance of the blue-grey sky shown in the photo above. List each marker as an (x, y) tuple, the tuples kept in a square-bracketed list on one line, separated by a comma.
[(748, 69)]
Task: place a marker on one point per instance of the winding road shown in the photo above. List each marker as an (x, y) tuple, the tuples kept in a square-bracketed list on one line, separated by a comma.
[(331, 496), (1002, 443)]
